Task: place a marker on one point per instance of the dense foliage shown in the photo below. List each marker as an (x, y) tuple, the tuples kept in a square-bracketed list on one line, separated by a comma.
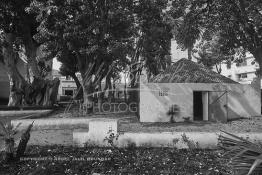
[(237, 22), (245, 156), (105, 36), (17, 28)]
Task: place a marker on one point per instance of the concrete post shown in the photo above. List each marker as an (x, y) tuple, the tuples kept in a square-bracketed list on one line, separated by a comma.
[(205, 105)]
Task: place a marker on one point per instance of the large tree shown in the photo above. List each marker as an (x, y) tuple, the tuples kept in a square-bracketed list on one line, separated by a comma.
[(186, 26), (152, 41), (237, 21), (69, 68), (209, 53), (17, 29), (94, 31)]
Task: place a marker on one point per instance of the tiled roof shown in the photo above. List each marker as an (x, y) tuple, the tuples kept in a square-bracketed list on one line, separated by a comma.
[(186, 71)]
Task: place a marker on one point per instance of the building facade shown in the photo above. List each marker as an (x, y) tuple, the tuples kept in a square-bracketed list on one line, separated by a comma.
[(67, 87), (243, 72), (189, 91)]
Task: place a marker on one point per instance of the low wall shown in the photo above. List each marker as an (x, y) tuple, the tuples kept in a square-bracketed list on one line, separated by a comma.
[(52, 123), (96, 131), (99, 130)]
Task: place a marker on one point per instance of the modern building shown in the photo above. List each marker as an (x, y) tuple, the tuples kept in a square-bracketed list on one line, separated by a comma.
[(67, 87), (243, 72)]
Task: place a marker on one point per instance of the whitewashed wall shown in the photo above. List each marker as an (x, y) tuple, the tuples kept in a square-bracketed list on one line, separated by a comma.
[(157, 98)]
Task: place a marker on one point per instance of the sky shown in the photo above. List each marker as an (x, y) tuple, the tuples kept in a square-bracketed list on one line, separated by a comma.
[(56, 64)]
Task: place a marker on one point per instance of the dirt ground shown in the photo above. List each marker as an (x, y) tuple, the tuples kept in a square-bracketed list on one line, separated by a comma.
[(244, 125), (56, 159), (128, 122)]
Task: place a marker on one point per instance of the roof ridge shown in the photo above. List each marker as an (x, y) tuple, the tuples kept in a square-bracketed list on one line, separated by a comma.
[(194, 72)]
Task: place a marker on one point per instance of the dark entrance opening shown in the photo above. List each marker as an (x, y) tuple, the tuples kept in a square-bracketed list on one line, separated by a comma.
[(3, 101), (197, 105), (69, 92)]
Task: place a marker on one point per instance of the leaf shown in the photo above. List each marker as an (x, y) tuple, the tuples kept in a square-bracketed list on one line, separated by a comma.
[(257, 162), (15, 132), (246, 156), (3, 126), (17, 126)]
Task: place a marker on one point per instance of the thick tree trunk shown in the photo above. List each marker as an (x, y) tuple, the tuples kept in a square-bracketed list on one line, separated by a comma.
[(105, 87), (32, 62), (100, 97), (134, 69), (44, 91), (125, 87), (17, 87), (79, 91), (17, 82), (134, 80), (258, 57), (133, 77), (88, 95), (110, 91), (40, 92), (189, 53), (31, 53), (114, 91), (51, 92)]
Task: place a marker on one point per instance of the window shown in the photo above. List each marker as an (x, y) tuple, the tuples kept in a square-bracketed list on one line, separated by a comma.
[(68, 78), (243, 75), (228, 65), (244, 63), (163, 92), (241, 63)]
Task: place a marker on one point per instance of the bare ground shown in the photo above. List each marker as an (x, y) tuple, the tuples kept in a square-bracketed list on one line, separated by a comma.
[(128, 122), (243, 125)]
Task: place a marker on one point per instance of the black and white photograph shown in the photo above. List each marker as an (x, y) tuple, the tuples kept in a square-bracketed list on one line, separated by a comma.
[(130, 87)]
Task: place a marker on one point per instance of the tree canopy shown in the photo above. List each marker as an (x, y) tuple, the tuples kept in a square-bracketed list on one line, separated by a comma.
[(102, 33), (238, 23), (17, 28)]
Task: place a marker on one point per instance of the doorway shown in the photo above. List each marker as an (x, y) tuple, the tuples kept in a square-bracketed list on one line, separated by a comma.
[(69, 92), (197, 105)]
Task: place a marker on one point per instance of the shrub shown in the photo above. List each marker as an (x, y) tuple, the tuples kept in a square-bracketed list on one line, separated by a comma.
[(246, 157), (111, 138), (7, 134), (190, 143)]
